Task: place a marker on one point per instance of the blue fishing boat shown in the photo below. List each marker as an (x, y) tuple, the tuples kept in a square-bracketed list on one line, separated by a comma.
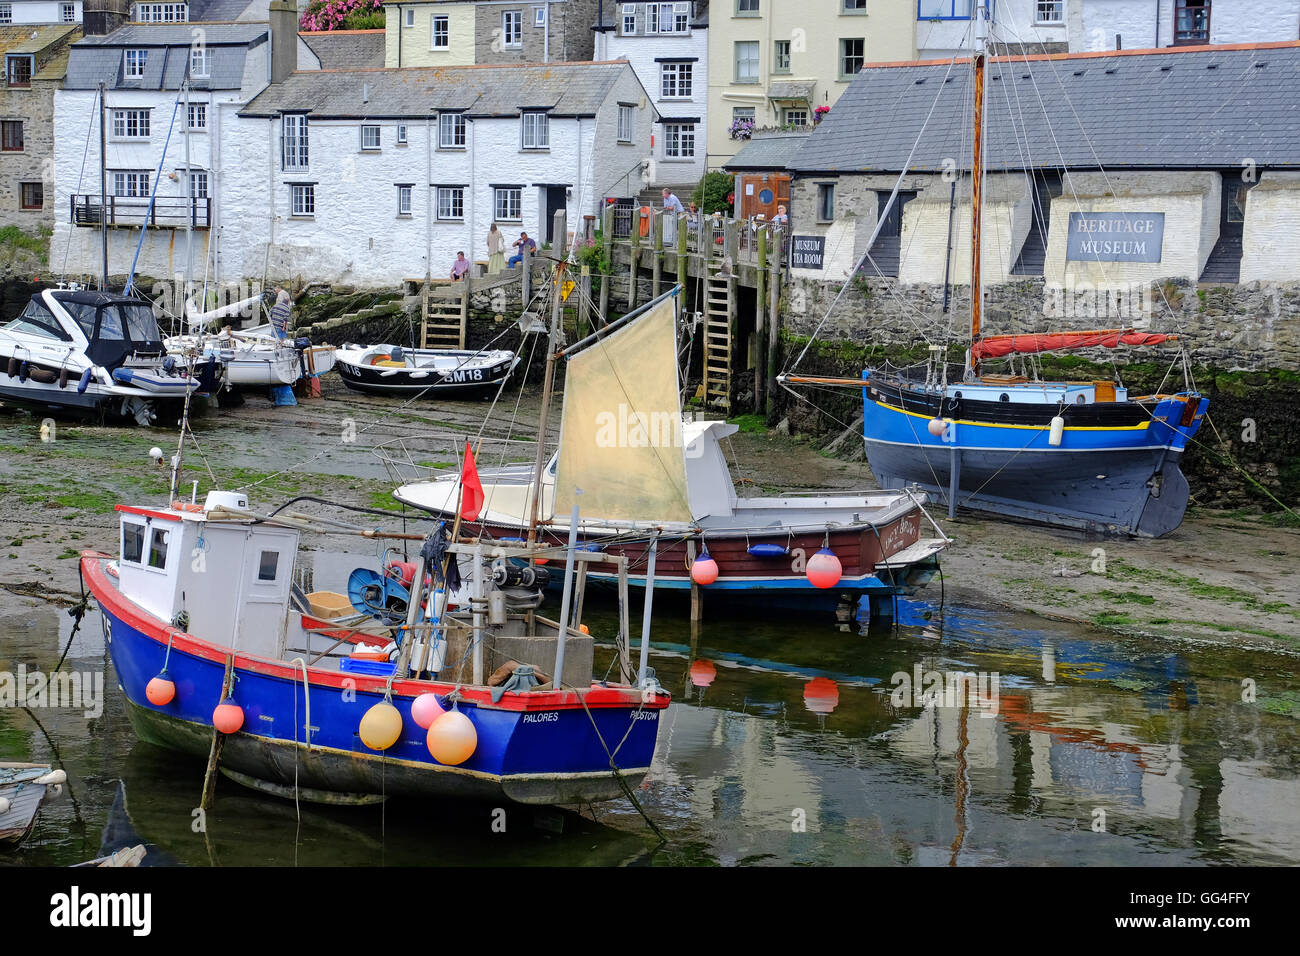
[(446, 695)]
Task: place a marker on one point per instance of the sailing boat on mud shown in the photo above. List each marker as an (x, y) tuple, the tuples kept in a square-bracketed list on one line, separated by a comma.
[(1083, 455)]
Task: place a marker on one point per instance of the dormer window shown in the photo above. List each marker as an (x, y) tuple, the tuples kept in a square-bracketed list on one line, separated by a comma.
[(18, 71), (199, 62), (135, 61), (162, 13), (537, 130)]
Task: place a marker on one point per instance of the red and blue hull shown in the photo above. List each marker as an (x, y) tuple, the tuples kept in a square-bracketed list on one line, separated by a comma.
[(547, 747)]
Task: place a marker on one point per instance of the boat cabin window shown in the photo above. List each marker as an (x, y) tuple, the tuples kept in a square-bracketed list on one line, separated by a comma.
[(36, 319), (158, 549), (113, 328), (132, 541), (266, 566)]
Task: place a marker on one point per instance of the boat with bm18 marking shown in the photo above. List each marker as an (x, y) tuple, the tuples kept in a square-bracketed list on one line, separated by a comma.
[(395, 370)]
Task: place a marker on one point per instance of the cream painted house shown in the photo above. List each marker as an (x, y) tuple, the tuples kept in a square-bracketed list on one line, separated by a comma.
[(773, 62), (479, 32)]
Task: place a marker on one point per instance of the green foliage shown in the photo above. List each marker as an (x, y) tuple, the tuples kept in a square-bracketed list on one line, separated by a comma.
[(710, 195), (12, 237)]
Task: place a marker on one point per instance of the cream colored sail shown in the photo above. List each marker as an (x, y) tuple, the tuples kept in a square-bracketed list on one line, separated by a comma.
[(621, 433)]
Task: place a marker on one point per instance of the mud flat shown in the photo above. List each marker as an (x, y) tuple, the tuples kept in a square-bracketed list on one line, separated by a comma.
[(1221, 578)]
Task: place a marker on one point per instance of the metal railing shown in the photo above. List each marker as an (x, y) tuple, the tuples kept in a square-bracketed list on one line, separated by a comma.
[(165, 212)]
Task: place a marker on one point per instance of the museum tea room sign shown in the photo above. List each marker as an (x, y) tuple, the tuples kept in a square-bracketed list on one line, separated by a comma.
[(808, 252), (1115, 236)]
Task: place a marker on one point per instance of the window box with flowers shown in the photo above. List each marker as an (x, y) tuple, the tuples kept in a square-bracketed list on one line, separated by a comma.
[(819, 114), (741, 129)]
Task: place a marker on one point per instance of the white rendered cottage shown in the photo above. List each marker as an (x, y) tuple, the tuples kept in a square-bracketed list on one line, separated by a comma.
[(370, 177)]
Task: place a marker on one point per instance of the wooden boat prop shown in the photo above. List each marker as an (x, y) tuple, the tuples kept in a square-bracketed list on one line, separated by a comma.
[(395, 370), (224, 647)]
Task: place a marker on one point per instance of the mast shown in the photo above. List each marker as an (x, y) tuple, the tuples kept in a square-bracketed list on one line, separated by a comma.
[(103, 190), (977, 183), (552, 351)]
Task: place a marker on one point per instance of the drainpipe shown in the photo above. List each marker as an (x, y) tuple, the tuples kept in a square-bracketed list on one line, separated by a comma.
[(401, 25), (546, 35), (429, 199), (1156, 44)]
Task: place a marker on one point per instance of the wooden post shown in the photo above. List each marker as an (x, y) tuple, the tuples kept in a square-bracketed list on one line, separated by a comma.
[(682, 260), (697, 596), (464, 307), (657, 259), (773, 317), (731, 240), (760, 309), (634, 243), (218, 741), (525, 276), (583, 324)]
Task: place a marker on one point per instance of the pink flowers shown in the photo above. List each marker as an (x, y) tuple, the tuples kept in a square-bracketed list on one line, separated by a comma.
[(342, 15)]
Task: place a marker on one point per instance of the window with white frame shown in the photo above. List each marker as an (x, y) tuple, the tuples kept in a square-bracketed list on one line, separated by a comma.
[(294, 140), (512, 28), (1049, 11), (747, 61), (537, 130), (451, 130), (161, 12), (135, 61), (401, 134), (652, 18), (302, 199), (629, 20), (198, 185), (625, 123), (668, 18), (747, 8), (68, 12), (451, 202), (508, 204), (679, 140), (795, 117), (404, 199), (854, 6), (131, 183), (410, 17), (681, 18), (675, 80), (6, 13), (199, 61), (440, 33), (369, 137), (539, 16), (131, 124), (198, 116)]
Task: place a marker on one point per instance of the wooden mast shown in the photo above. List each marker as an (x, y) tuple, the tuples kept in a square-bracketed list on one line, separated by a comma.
[(977, 210)]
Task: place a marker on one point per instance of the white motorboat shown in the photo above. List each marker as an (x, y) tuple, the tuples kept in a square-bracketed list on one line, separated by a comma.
[(394, 370), (79, 351)]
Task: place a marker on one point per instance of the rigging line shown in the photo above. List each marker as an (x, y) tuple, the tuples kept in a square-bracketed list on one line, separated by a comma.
[(81, 176), (879, 222)]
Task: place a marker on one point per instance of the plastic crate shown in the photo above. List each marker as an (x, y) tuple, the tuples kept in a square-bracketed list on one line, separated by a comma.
[(352, 665)]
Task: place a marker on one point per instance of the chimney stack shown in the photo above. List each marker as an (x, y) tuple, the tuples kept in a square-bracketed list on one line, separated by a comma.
[(284, 38), (102, 17)]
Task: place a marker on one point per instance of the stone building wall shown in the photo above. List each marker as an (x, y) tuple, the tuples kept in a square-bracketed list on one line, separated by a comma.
[(35, 108)]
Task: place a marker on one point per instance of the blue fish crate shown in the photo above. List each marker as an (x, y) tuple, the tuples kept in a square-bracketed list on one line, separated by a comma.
[(350, 665)]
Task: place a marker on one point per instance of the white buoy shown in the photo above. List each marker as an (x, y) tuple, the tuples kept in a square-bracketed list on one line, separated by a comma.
[(52, 778), (1057, 432), (937, 427), (4, 806), (155, 453)]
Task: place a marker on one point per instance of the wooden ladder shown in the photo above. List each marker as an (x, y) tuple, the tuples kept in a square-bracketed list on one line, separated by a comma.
[(717, 342), (444, 322)]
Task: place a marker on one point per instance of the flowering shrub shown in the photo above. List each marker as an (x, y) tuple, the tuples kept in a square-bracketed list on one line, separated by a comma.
[(741, 128), (342, 15)]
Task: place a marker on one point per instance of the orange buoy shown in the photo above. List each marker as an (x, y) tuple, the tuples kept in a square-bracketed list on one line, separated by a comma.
[(228, 716), (161, 690), (381, 726), (704, 570), (452, 738), (703, 672)]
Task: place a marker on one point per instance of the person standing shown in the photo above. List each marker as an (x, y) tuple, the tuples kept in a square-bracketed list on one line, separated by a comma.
[(496, 245), (280, 312), (672, 209)]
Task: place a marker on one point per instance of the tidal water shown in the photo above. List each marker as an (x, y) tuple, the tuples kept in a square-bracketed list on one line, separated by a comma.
[(784, 745)]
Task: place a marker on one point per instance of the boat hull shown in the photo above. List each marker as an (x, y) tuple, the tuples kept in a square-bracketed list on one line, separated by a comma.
[(1122, 480), (541, 747), (473, 379)]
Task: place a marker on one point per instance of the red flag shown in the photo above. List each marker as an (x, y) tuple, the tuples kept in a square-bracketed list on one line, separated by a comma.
[(471, 489)]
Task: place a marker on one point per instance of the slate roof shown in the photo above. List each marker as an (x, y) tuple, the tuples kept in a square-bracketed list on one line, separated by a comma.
[(565, 89), (347, 49), (773, 151), (99, 58), (1197, 108), (218, 10), (31, 38)]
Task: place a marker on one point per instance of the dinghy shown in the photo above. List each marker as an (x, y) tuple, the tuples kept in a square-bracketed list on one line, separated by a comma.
[(394, 370), (23, 787)]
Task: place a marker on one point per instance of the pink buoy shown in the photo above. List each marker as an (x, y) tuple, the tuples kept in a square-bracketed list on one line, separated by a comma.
[(703, 672), (228, 716), (425, 709), (824, 569), (937, 427), (704, 570), (161, 691)]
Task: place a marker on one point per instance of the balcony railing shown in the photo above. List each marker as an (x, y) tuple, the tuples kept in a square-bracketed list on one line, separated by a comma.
[(167, 212)]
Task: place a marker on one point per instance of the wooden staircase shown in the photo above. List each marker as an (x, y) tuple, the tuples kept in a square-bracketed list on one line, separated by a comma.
[(444, 321), (717, 341)]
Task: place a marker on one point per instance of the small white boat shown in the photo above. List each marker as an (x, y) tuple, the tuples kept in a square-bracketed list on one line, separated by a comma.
[(392, 369), (78, 351), (255, 357), (23, 786)]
